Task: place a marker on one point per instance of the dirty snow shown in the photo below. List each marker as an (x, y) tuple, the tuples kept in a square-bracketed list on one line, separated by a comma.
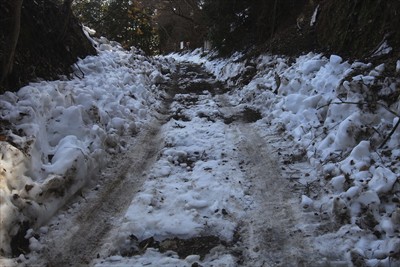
[(58, 133), (328, 107), (322, 107)]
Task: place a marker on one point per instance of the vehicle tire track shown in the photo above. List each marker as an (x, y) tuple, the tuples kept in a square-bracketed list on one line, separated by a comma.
[(270, 233), (83, 236)]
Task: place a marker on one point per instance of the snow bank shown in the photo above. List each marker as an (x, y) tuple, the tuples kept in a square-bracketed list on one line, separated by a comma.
[(340, 113), (55, 135)]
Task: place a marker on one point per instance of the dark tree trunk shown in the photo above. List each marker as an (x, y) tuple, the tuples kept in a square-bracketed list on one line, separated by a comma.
[(67, 10), (11, 44)]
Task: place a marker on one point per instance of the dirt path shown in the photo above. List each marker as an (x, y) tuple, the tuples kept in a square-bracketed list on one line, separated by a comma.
[(268, 235), (270, 231), (77, 243)]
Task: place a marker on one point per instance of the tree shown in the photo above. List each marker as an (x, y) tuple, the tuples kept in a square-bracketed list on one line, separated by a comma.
[(142, 28), (38, 39), (228, 22), (10, 44), (90, 12), (180, 21), (125, 21), (239, 24)]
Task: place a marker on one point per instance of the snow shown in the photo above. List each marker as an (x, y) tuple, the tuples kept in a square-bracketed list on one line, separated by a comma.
[(323, 107), (383, 49), (314, 16), (184, 203), (182, 199), (62, 131), (382, 181)]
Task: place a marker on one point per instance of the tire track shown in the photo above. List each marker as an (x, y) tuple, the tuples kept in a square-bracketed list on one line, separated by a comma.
[(270, 231), (270, 234), (78, 241)]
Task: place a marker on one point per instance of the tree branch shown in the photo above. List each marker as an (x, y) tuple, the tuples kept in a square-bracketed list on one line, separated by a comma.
[(365, 103), (182, 16), (390, 134), (360, 103)]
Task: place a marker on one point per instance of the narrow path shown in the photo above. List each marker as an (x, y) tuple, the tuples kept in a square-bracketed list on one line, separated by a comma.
[(270, 231), (76, 242), (260, 206)]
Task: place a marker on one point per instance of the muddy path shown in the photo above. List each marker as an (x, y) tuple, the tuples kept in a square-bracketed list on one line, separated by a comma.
[(76, 242), (268, 234)]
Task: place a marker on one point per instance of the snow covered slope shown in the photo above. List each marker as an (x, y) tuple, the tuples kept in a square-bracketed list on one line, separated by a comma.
[(343, 116), (62, 130)]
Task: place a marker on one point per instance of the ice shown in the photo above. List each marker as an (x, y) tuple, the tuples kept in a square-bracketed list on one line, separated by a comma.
[(154, 258), (383, 49), (344, 137), (70, 152), (361, 151), (368, 197), (314, 16), (309, 66), (387, 226), (338, 182), (294, 102), (351, 192)]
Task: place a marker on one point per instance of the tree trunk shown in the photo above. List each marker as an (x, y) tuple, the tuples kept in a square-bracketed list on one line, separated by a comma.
[(10, 46), (67, 10), (274, 19)]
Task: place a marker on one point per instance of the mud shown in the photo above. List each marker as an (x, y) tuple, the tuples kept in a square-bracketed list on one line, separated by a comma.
[(200, 245), (78, 242), (247, 115)]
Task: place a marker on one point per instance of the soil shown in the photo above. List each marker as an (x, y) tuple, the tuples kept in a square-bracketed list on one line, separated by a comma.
[(351, 29), (357, 28), (50, 42), (247, 115)]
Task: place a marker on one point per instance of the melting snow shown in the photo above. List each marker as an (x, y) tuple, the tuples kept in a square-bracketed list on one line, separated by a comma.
[(60, 132)]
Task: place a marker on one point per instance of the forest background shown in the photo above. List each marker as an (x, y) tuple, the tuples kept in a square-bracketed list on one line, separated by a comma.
[(42, 39)]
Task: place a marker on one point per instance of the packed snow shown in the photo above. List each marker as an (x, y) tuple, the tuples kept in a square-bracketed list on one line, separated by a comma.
[(325, 108), (188, 193)]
